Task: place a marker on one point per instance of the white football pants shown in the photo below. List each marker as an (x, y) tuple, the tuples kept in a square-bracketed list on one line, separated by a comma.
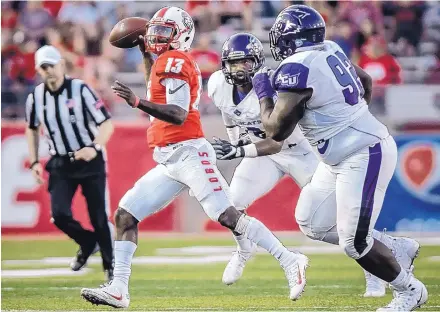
[(186, 165), (358, 185), (254, 177)]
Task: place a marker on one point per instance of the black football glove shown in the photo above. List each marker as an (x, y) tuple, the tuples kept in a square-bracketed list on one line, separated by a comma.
[(224, 150)]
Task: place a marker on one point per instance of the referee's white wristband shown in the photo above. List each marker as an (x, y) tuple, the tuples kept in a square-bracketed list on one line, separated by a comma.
[(250, 150)]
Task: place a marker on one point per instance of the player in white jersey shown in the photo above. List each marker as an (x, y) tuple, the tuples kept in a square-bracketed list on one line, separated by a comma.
[(266, 161), (318, 88), (231, 91)]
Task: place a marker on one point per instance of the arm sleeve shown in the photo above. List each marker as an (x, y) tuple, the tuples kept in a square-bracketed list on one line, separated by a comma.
[(31, 113), (228, 121), (177, 92), (232, 129), (290, 76), (94, 106)]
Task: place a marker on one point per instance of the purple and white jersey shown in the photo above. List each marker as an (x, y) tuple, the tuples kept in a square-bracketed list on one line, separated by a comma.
[(245, 114), (337, 114)]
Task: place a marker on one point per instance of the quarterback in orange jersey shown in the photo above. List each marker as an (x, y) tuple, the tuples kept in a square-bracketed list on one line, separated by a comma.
[(185, 159), (180, 71)]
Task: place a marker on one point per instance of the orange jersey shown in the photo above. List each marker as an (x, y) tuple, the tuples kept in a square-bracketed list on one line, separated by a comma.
[(179, 65)]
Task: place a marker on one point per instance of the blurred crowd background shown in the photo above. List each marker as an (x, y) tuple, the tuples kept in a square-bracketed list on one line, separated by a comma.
[(396, 42)]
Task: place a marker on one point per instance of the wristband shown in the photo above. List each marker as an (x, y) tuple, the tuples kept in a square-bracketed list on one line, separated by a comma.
[(239, 152), (136, 103), (250, 150), (33, 164)]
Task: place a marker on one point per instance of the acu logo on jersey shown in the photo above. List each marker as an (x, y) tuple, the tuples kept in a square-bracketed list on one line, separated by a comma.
[(288, 80)]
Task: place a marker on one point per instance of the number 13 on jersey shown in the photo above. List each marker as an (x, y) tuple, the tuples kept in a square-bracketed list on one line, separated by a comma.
[(174, 65)]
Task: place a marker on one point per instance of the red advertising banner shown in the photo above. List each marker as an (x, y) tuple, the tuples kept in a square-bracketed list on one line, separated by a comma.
[(26, 205), (276, 209)]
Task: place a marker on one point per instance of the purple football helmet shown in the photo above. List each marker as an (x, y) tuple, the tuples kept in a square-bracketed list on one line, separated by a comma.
[(239, 47), (296, 26)]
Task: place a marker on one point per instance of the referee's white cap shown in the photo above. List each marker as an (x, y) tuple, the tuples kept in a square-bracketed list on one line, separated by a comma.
[(47, 55)]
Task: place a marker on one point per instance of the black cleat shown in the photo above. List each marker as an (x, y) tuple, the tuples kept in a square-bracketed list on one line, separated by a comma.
[(81, 257)]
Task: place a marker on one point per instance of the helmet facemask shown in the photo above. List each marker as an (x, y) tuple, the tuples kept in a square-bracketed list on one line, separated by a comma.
[(280, 47), (160, 36), (240, 71)]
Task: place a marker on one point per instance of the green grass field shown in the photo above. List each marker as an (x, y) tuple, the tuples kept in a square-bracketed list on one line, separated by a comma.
[(334, 282)]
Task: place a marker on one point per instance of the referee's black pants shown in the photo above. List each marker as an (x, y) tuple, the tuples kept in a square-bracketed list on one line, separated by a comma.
[(64, 178)]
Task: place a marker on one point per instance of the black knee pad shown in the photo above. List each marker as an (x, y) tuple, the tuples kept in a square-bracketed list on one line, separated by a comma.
[(124, 219), (229, 218)]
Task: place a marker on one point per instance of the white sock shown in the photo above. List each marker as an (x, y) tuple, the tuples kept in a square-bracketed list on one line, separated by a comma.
[(243, 243), (258, 233), (124, 251), (402, 280)]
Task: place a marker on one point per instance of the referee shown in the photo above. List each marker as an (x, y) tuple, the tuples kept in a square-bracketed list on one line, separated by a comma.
[(77, 127)]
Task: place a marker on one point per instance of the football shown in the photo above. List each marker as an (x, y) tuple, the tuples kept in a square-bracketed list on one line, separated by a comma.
[(126, 32)]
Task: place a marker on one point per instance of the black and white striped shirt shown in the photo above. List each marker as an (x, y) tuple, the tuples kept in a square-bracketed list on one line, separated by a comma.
[(69, 116)]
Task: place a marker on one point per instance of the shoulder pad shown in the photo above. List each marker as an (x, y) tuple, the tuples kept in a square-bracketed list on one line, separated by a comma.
[(330, 43), (333, 45), (214, 82)]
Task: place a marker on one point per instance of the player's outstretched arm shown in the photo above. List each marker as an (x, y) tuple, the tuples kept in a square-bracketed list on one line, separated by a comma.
[(366, 81), (268, 146), (280, 118), (170, 113), (224, 150)]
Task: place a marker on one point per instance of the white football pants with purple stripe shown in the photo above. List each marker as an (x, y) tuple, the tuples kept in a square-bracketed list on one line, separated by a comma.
[(360, 183)]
